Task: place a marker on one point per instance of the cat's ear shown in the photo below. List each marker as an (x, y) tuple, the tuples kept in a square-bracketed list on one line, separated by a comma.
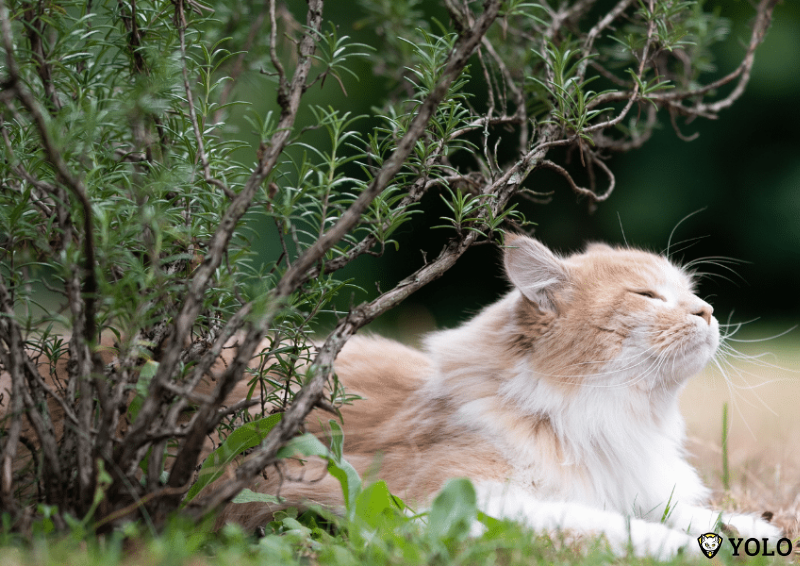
[(534, 269)]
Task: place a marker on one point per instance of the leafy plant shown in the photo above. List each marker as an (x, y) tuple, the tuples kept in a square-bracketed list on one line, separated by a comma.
[(145, 164)]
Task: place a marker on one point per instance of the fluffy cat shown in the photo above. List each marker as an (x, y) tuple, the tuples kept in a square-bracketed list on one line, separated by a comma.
[(559, 402)]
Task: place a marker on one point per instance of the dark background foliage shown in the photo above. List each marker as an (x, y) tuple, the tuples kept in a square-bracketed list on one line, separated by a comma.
[(740, 174)]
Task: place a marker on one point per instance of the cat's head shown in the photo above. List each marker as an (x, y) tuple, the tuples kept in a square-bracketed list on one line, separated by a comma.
[(615, 316)]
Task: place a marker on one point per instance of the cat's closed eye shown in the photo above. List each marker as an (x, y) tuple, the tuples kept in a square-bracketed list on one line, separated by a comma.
[(649, 294)]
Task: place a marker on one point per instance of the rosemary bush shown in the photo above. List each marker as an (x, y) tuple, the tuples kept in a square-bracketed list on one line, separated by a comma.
[(123, 189)]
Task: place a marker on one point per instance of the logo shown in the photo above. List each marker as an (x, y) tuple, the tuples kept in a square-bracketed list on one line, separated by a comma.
[(710, 543)]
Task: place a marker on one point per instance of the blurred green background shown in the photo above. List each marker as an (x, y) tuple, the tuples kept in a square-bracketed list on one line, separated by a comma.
[(743, 170)]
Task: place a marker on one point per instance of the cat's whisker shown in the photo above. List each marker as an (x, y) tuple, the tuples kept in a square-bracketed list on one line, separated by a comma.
[(716, 261), (611, 371), (674, 228), (740, 324), (736, 390), (652, 369), (726, 352), (720, 259), (622, 230), (689, 241), (655, 369), (699, 275), (755, 359), (741, 374), (733, 398), (784, 333)]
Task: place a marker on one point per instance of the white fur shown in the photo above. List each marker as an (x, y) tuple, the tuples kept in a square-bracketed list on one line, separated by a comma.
[(621, 469), (622, 532)]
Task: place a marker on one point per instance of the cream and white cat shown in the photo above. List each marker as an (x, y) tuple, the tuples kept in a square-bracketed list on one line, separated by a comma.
[(560, 402)]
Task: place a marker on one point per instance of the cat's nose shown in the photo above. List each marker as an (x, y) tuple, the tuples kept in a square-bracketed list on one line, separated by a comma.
[(704, 311)]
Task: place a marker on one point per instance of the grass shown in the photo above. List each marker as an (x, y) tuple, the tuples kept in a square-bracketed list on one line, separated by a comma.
[(753, 467), (726, 468), (299, 542)]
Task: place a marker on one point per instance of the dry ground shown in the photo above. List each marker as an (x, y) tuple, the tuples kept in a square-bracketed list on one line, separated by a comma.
[(763, 397)]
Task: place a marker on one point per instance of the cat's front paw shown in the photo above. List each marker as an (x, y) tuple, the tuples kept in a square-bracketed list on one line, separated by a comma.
[(658, 541), (750, 526)]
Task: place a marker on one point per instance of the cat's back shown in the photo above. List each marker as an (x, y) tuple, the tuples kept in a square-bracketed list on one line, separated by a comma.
[(385, 374), (380, 368), (388, 377)]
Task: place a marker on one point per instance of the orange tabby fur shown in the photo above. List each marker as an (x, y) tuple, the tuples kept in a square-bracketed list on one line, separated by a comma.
[(406, 422), (559, 401), (395, 434)]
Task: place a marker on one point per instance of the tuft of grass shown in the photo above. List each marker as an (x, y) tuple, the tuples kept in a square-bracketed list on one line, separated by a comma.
[(726, 474)]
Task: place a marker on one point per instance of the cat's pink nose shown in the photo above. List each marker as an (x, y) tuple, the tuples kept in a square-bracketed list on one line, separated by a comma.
[(704, 312)]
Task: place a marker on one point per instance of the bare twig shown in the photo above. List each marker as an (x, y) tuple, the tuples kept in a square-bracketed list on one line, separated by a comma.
[(208, 359), (651, 27), (520, 113), (672, 113), (180, 18), (580, 190), (760, 27), (489, 83), (14, 359), (207, 416), (636, 140), (238, 65), (120, 513), (597, 29), (273, 52), (135, 37), (39, 198), (35, 26), (709, 110), (10, 359)]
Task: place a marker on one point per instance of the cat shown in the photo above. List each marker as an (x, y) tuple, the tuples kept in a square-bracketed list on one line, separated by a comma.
[(559, 402)]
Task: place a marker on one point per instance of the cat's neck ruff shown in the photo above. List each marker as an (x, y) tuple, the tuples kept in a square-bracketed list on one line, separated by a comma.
[(590, 440)]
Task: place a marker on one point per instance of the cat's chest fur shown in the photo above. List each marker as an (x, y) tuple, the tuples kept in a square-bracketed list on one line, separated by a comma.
[(606, 444), (607, 461)]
